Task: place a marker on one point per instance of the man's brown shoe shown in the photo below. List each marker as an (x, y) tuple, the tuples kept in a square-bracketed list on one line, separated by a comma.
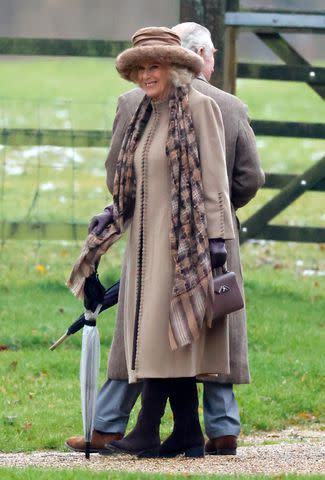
[(221, 446), (98, 441)]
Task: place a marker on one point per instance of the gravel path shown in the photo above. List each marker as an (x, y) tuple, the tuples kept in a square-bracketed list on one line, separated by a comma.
[(290, 451)]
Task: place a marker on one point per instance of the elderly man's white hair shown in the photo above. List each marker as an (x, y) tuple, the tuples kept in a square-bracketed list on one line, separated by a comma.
[(194, 36)]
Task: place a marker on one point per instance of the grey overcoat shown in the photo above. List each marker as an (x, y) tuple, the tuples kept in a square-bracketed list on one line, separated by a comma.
[(245, 177)]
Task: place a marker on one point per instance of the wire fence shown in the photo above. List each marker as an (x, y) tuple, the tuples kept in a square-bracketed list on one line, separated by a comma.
[(50, 191), (52, 174)]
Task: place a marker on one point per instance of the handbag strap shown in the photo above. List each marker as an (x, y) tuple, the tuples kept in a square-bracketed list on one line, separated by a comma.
[(223, 269)]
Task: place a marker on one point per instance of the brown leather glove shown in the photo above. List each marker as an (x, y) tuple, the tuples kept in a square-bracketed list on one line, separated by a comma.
[(100, 221), (218, 252)]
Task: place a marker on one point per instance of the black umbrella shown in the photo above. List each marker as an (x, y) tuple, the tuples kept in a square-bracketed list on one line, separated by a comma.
[(109, 300)]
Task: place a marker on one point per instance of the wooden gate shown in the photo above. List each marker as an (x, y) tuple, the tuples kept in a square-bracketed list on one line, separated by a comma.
[(224, 20)]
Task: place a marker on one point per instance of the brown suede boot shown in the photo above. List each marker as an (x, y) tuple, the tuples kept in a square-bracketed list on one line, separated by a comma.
[(226, 445), (144, 440), (98, 441), (186, 437)]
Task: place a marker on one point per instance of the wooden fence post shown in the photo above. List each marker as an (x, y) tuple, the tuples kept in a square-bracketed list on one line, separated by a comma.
[(211, 14), (230, 55)]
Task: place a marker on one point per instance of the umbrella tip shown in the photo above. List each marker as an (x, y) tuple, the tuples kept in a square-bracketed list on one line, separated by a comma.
[(87, 450)]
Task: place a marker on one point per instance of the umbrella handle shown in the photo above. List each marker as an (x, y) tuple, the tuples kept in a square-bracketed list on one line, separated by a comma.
[(59, 341)]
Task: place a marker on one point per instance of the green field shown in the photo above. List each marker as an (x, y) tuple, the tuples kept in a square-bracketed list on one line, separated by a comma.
[(39, 400)]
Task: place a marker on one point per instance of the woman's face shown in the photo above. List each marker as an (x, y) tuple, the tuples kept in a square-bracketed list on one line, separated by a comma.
[(154, 79)]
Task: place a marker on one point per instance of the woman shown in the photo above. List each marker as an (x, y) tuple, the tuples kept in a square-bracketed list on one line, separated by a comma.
[(171, 192)]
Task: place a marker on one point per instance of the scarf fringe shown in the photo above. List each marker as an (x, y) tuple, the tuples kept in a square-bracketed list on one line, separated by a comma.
[(194, 305), (77, 286), (90, 255)]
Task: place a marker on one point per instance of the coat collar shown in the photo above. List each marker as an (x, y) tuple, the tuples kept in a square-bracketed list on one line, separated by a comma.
[(202, 77)]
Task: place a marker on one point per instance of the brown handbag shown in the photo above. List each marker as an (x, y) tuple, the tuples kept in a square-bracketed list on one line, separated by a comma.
[(227, 295)]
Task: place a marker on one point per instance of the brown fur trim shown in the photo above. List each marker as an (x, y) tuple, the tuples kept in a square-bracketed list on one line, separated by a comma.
[(170, 55)]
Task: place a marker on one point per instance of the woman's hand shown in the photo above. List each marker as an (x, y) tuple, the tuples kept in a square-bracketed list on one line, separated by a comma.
[(218, 252), (100, 221)]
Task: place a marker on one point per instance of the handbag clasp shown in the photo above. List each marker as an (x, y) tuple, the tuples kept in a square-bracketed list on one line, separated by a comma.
[(223, 289)]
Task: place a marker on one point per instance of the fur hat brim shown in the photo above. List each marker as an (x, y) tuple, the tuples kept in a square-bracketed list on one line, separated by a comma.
[(170, 55)]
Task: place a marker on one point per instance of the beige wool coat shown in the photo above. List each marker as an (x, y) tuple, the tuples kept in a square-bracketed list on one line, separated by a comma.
[(245, 178), (148, 266)]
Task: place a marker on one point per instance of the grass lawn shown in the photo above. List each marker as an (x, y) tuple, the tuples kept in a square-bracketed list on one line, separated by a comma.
[(40, 389), (32, 473), (39, 401)]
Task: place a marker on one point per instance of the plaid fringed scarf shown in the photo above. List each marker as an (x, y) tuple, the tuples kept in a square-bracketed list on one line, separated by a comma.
[(193, 289), (123, 203)]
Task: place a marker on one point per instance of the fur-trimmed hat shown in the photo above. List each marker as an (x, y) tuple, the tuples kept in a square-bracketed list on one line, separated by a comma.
[(157, 44)]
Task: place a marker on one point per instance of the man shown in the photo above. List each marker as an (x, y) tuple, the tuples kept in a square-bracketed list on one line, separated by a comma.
[(116, 398)]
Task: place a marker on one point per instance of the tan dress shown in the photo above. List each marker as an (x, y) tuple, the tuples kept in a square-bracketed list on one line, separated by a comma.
[(149, 269)]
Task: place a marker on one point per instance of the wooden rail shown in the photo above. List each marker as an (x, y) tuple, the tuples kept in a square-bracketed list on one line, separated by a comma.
[(61, 47)]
